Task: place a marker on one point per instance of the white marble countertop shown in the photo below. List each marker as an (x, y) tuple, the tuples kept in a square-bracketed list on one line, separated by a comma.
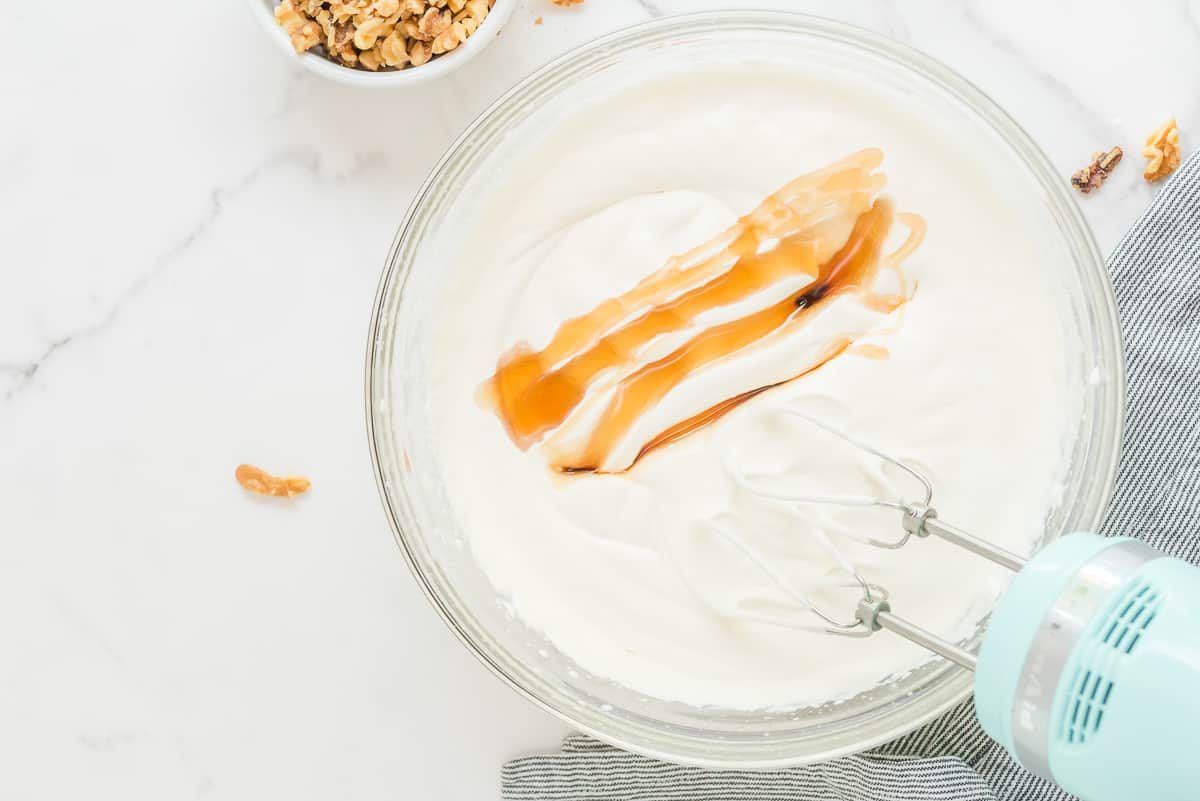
[(192, 232)]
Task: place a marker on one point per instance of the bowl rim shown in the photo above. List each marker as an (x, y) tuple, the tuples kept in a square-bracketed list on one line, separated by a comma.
[(263, 11), (960, 687)]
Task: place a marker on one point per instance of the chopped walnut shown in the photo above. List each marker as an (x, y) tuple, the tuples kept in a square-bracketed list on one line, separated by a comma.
[(1094, 174), (301, 29), (433, 22), (420, 52), (380, 34), (537, 21), (370, 31), (1162, 150), (393, 50), (371, 59), (262, 482), (449, 39), (341, 43)]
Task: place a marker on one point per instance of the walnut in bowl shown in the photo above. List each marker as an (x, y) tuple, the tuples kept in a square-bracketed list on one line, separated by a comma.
[(382, 42)]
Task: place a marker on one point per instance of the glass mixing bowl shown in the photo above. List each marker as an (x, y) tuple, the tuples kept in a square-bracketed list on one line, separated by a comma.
[(406, 456)]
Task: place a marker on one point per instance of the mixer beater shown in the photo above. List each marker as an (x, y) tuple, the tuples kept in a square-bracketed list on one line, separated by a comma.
[(917, 519), (1089, 670)]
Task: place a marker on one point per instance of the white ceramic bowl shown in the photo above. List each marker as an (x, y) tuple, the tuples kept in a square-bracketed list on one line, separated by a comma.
[(264, 11)]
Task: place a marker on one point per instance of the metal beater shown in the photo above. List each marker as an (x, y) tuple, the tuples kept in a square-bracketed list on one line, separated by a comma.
[(1089, 671), (917, 519)]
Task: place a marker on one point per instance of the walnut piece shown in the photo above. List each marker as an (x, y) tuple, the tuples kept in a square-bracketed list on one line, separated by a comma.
[(380, 34), (449, 39), (371, 59), (262, 482), (420, 52), (433, 22), (393, 50), (1094, 174), (304, 32), (1162, 150), (566, 2), (370, 31)]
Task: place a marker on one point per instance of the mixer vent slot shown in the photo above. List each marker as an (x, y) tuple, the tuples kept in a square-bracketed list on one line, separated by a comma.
[(1092, 691), (1132, 616), (1092, 687)]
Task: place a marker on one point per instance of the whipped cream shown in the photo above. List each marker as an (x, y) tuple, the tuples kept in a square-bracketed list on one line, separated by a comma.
[(654, 577)]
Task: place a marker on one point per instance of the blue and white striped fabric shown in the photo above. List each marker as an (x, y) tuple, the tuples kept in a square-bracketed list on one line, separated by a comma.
[(1156, 273)]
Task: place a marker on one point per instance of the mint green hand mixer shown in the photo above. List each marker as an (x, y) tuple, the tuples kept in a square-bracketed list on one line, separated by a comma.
[(1089, 671)]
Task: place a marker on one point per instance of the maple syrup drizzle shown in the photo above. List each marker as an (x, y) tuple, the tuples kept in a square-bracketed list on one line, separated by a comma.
[(823, 225), (534, 391), (851, 268), (869, 351), (719, 410)]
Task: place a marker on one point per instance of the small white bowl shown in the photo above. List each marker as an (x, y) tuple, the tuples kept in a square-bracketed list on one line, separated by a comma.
[(264, 11)]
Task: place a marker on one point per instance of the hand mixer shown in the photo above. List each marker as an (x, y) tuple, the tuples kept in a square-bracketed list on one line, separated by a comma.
[(1089, 671)]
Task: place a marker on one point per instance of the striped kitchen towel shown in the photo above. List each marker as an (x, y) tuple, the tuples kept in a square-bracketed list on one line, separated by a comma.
[(1156, 274)]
